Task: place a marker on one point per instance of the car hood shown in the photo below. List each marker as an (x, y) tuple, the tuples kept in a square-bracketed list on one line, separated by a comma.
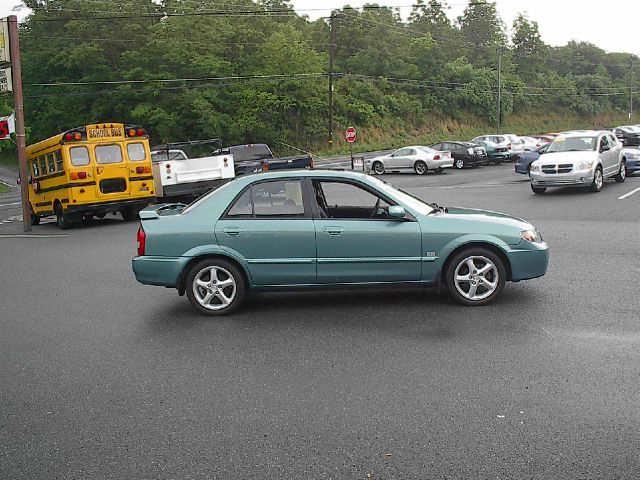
[(566, 157), (478, 214)]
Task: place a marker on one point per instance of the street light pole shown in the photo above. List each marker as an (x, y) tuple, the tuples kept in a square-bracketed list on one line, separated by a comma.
[(332, 48), (499, 110)]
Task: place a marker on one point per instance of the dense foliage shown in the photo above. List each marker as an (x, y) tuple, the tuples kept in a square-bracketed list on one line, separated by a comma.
[(254, 70)]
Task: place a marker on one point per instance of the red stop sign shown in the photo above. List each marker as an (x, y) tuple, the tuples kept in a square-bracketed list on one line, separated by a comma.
[(4, 129), (350, 135)]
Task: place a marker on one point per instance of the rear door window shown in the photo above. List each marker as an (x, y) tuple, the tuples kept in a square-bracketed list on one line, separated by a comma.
[(279, 199), (79, 156), (136, 152), (106, 154)]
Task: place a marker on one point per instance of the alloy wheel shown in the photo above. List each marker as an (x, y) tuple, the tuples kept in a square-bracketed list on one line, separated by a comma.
[(476, 278), (214, 288)]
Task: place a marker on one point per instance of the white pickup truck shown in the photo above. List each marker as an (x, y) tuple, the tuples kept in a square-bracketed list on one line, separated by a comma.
[(177, 175)]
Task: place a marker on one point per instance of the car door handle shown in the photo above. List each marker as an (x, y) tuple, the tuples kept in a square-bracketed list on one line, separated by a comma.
[(333, 230), (231, 231)]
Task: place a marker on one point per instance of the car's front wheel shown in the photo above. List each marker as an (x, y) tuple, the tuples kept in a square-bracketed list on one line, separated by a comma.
[(215, 287), (538, 189), (598, 180), (459, 163), (475, 276), (622, 173), (378, 168)]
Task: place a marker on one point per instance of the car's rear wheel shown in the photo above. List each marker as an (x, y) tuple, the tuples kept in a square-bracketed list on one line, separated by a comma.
[(459, 163), (378, 168), (598, 180), (475, 276), (215, 287), (538, 189), (129, 214), (622, 173), (420, 167)]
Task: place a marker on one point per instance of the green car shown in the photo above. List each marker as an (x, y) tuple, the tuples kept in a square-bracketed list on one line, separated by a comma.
[(314, 228), (495, 153)]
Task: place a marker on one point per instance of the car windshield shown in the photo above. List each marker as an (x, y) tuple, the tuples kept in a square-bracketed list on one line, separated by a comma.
[(514, 139), (573, 144), (247, 153), (411, 201), (630, 129)]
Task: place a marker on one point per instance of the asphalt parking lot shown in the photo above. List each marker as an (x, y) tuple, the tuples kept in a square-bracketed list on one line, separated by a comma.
[(105, 378)]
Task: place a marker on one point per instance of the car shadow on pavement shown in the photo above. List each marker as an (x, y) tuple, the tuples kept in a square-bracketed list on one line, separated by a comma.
[(413, 312)]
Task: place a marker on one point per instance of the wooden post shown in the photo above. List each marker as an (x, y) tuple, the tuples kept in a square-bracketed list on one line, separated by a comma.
[(16, 74)]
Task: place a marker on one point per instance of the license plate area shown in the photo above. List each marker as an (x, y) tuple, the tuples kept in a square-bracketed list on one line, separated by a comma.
[(113, 185)]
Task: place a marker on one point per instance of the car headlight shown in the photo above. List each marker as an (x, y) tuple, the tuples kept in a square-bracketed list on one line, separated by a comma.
[(585, 165), (531, 236), (535, 167), (470, 151)]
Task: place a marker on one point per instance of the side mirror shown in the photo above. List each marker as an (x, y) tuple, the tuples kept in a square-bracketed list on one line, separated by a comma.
[(396, 211), (604, 148)]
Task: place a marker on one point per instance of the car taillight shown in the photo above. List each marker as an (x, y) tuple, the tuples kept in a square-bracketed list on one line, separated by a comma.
[(265, 167), (139, 169), (311, 163), (509, 147), (436, 157), (142, 237)]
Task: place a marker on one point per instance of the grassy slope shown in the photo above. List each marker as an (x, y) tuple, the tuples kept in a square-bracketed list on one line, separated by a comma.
[(437, 129)]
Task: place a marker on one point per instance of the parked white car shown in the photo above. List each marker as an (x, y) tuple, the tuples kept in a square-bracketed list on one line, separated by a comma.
[(579, 159), (530, 143), (418, 159), (513, 143)]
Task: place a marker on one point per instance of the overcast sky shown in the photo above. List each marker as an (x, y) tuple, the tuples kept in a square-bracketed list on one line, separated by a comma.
[(611, 25)]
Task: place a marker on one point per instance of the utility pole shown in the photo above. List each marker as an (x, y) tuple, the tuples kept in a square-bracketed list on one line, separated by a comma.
[(18, 102), (332, 48), (499, 110), (631, 92)]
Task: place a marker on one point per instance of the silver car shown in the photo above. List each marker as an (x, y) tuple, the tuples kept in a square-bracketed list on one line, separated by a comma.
[(418, 159), (513, 143), (579, 159)]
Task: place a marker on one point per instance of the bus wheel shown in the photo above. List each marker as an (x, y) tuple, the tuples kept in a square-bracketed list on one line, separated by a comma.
[(62, 220), (129, 214)]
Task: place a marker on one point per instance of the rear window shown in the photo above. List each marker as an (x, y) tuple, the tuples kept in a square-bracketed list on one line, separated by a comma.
[(79, 156), (246, 153), (136, 152), (108, 154), (167, 156)]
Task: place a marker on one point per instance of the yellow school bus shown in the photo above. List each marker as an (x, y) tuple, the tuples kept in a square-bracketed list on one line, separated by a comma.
[(90, 171)]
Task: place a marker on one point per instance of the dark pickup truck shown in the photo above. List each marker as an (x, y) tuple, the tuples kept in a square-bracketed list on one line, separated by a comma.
[(257, 157)]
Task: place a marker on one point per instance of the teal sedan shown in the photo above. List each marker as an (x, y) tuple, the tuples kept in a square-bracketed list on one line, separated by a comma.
[(314, 228)]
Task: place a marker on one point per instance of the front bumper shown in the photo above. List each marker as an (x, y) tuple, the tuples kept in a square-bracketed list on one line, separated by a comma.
[(528, 260), (580, 178)]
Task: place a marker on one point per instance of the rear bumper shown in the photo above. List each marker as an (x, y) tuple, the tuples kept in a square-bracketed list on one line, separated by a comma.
[(192, 189), (162, 271), (108, 207)]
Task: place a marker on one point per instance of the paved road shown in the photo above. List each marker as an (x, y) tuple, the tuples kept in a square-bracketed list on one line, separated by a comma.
[(104, 378)]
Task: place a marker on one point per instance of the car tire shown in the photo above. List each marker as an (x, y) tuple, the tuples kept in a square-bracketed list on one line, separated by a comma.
[(129, 214), (479, 285), (538, 189), (420, 167), (621, 176), (598, 180), (204, 291), (378, 168), (35, 219), (459, 164)]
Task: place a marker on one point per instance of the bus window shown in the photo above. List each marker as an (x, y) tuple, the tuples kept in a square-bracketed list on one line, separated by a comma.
[(34, 168), (42, 166), (79, 156), (136, 152), (108, 154), (57, 155), (51, 163)]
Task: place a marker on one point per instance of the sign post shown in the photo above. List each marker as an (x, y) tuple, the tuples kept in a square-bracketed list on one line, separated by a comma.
[(10, 43), (350, 135)]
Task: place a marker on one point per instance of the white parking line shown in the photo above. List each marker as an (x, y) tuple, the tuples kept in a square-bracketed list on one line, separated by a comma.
[(629, 194), (25, 235), (10, 204)]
